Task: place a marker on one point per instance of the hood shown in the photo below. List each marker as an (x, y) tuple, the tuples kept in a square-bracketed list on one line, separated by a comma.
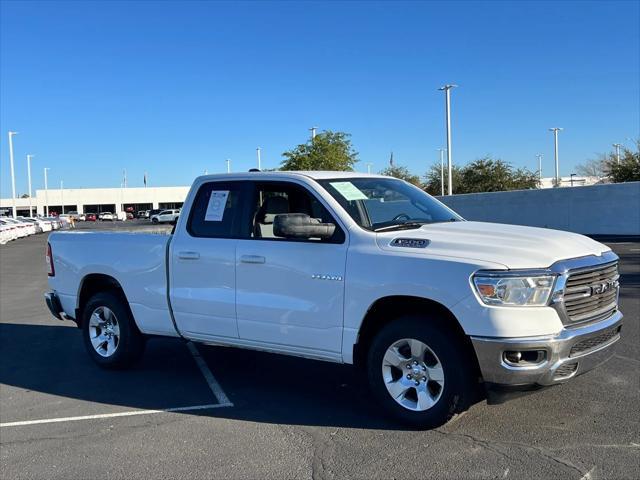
[(512, 246)]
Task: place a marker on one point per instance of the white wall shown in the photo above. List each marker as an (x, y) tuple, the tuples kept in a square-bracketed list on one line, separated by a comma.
[(610, 209)]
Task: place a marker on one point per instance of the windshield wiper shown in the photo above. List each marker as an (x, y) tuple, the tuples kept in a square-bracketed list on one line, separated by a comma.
[(400, 226)]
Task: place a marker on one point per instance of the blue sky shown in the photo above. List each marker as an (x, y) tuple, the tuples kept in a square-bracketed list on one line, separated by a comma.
[(174, 88)]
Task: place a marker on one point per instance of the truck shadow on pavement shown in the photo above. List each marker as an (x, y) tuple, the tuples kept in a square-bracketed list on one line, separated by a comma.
[(51, 360)]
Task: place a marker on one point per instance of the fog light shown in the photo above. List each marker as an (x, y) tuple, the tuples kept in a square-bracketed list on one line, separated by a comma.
[(524, 358)]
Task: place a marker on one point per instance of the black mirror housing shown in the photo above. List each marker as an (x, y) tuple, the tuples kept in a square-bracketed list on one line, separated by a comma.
[(301, 225)]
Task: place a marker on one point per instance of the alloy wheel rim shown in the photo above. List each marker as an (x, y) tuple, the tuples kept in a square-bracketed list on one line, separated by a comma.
[(104, 331), (413, 374)]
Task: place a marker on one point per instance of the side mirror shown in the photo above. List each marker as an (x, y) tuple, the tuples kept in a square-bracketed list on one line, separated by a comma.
[(301, 225)]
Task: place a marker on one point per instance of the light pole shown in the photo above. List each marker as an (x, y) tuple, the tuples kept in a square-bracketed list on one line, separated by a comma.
[(555, 131), (46, 193), (62, 195), (29, 157), (13, 176), (447, 97), (313, 132), (539, 157), (228, 165), (571, 177), (258, 158), (617, 147), (441, 150), (369, 167)]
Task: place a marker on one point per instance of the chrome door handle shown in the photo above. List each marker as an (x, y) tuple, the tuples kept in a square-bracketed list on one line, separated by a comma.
[(188, 255), (252, 259)]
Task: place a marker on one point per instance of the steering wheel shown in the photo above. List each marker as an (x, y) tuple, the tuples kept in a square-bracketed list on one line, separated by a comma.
[(402, 216)]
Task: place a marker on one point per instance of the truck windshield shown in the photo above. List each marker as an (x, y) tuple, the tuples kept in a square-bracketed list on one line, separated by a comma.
[(383, 204)]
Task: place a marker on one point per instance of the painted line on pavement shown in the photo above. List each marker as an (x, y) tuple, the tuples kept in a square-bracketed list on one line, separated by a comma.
[(130, 413), (208, 376)]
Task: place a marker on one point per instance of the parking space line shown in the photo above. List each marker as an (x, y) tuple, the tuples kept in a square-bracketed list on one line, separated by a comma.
[(208, 376), (129, 413)]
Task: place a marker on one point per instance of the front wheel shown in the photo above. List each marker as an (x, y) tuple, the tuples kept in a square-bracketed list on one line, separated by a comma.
[(417, 372), (154, 220), (110, 334)]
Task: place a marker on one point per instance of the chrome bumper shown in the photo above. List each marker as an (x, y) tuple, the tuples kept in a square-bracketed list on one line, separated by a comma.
[(560, 363)]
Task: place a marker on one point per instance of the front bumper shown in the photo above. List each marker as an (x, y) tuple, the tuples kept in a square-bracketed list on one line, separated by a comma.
[(572, 352)]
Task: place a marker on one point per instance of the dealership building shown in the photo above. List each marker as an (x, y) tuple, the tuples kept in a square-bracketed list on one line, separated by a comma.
[(97, 200)]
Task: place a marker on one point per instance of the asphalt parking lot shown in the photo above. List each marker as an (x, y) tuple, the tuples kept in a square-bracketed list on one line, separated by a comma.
[(285, 417)]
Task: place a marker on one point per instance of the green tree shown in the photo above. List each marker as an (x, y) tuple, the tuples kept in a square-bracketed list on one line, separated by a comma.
[(327, 151), (483, 175), (433, 183), (628, 170), (402, 173)]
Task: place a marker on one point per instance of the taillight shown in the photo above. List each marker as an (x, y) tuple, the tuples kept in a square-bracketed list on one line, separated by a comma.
[(49, 259)]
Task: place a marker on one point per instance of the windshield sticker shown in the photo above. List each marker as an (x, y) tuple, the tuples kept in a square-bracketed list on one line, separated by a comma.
[(349, 191), (217, 204)]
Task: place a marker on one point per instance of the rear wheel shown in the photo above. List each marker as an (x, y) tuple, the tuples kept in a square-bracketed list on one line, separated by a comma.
[(110, 334), (418, 371), (154, 220)]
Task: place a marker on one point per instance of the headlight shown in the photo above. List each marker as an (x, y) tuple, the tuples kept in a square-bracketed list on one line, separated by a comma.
[(511, 289)]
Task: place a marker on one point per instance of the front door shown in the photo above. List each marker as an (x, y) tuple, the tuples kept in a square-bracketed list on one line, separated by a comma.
[(290, 292)]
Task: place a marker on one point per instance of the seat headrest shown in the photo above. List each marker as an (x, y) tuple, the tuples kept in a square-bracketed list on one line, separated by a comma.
[(271, 207)]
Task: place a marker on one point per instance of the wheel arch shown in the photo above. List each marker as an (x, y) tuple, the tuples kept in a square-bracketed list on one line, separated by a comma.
[(95, 283), (386, 309)]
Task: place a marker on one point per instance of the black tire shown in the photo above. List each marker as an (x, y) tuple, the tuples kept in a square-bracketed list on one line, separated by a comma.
[(131, 342), (444, 343), (154, 220)]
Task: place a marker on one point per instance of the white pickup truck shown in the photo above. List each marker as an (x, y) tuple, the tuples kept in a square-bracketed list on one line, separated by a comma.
[(345, 267)]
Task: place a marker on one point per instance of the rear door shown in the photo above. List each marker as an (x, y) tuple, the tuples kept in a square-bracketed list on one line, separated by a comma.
[(203, 256)]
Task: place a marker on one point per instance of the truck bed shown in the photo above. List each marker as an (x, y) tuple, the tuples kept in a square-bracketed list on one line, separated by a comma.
[(137, 261)]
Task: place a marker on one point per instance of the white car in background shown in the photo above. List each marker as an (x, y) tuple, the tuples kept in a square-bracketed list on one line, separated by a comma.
[(166, 216), (106, 216), (43, 225), (24, 229), (7, 232)]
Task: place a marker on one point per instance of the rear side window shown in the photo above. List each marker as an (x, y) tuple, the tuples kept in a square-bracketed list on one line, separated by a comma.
[(216, 210)]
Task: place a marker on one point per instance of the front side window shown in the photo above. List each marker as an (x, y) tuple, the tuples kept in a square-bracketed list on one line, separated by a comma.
[(383, 204), (277, 198)]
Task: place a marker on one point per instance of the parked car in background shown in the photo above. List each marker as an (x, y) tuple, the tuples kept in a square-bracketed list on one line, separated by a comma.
[(106, 216), (24, 230), (65, 220), (142, 214), (55, 223), (353, 268), (166, 216), (154, 212), (82, 217), (39, 226), (7, 233), (90, 217)]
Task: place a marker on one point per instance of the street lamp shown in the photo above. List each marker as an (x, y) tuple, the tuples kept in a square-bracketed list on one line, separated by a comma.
[(571, 177), (555, 131), (441, 150), (13, 176), (447, 97), (46, 192), (539, 157), (369, 167), (313, 132), (62, 195), (29, 157), (258, 158), (617, 147), (228, 165)]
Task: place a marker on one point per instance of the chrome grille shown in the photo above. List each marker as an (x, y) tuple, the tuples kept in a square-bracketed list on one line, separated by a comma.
[(591, 294)]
